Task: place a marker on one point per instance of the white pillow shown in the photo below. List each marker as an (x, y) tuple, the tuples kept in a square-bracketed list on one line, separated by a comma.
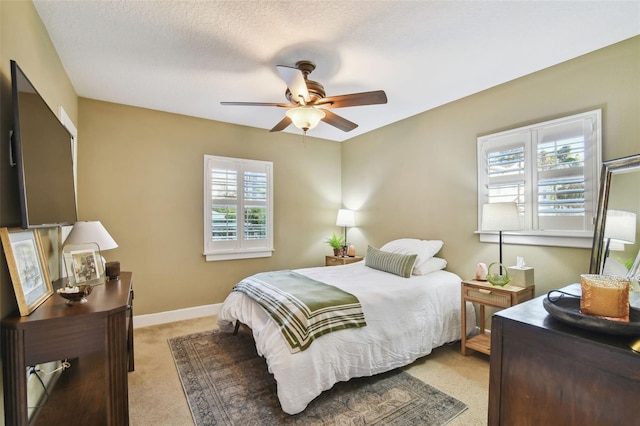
[(425, 249), (431, 265)]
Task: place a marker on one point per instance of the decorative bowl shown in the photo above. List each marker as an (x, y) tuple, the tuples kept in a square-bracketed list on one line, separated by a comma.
[(76, 294), (565, 307), (496, 278)]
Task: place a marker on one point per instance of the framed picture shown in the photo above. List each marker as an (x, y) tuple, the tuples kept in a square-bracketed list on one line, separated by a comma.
[(83, 264), (28, 268)]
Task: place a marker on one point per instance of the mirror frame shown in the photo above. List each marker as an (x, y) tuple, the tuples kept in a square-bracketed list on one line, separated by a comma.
[(610, 167)]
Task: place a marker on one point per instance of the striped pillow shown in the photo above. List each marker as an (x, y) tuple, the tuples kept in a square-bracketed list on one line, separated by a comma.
[(394, 263)]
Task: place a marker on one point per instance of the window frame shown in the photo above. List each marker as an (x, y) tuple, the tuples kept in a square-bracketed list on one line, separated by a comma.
[(530, 137), (240, 248)]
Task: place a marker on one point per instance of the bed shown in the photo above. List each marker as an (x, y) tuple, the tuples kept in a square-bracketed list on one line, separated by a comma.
[(405, 319)]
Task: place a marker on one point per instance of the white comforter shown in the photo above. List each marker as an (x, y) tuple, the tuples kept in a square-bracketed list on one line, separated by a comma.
[(406, 318)]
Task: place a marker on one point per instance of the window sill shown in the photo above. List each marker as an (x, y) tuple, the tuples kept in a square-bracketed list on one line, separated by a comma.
[(579, 240), (236, 255)]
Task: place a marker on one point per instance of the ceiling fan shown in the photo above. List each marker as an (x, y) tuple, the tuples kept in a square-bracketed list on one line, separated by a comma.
[(308, 103)]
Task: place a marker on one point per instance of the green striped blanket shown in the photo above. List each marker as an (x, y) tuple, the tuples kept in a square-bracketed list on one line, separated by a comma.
[(304, 308)]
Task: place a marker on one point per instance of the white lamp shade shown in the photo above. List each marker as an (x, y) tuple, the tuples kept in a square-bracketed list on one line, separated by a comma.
[(620, 226), (346, 218), (500, 217), (91, 232), (305, 118)]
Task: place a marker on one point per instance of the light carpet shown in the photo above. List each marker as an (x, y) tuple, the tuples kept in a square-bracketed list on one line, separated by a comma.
[(227, 383)]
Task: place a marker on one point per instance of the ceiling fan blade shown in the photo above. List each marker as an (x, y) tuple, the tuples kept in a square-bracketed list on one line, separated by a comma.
[(339, 122), (354, 99), (295, 82), (283, 124), (257, 104)]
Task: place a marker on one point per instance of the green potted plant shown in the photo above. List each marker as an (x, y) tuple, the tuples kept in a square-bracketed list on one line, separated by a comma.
[(336, 242)]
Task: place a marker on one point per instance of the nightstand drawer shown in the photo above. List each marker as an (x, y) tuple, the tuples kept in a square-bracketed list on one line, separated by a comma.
[(339, 260), (493, 297), (332, 261)]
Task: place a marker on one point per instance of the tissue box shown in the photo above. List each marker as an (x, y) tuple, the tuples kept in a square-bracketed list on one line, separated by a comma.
[(520, 277)]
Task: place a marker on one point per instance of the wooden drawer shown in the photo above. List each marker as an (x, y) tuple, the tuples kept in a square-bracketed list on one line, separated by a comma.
[(490, 297), (338, 260), (332, 261)]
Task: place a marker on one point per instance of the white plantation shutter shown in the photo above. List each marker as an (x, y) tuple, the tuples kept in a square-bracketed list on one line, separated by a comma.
[(551, 170), (561, 176), (505, 169), (224, 199), (238, 208), (255, 205)]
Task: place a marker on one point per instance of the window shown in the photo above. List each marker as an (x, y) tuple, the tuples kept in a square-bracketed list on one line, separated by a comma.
[(238, 208), (551, 170)]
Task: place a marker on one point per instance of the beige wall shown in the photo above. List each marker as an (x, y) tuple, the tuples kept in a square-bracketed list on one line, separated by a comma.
[(141, 174), (418, 177)]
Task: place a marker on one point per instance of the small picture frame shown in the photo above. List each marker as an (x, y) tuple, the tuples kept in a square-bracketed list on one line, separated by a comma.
[(83, 264), (27, 267)]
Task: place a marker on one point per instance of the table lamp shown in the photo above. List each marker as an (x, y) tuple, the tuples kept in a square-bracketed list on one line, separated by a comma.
[(500, 217), (94, 232), (346, 218)]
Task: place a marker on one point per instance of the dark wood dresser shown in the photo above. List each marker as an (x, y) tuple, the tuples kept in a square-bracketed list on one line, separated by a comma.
[(97, 339), (546, 372)]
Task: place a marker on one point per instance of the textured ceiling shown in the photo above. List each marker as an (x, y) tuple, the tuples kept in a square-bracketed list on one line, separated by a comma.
[(187, 56)]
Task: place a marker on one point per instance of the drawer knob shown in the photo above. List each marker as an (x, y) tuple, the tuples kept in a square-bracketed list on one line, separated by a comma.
[(482, 290)]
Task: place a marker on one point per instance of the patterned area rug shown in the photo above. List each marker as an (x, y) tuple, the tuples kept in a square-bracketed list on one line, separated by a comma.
[(227, 383)]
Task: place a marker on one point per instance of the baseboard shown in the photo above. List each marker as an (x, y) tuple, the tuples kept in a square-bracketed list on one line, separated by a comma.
[(177, 315)]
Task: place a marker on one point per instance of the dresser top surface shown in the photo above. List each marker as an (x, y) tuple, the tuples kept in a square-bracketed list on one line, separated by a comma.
[(104, 299), (533, 314)]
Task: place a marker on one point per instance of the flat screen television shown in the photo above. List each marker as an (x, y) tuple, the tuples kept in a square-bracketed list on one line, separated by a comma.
[(42, 150)]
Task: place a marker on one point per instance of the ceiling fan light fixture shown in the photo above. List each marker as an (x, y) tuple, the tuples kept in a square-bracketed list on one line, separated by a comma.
[(308, 103), (305, 117)]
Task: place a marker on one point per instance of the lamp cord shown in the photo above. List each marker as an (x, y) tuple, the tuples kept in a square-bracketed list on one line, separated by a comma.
[(554, 299), (35, 370)]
